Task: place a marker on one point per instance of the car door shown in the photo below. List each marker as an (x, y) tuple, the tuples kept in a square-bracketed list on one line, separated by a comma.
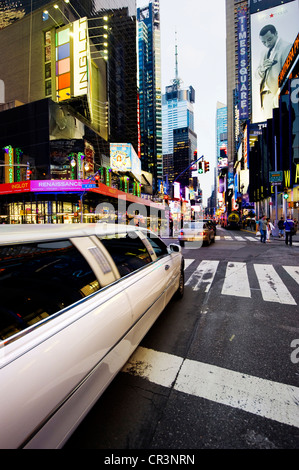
[(145, 277), (67, 346)]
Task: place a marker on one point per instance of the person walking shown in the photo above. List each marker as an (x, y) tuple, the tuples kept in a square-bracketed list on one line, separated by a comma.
[(270, 227), (281, 227), (262, 225), (289, 230)]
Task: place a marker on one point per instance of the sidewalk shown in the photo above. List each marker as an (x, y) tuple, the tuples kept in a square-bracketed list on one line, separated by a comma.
[(276, 238)]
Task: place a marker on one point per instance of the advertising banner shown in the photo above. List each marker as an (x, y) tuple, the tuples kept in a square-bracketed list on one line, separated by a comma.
[(80, 56), (57, 185), (123, 158), (243, 65), (11, 188), (260, 5), (273, 32)]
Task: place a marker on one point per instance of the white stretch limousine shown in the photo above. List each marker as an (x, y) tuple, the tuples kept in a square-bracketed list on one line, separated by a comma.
[(76, 300)]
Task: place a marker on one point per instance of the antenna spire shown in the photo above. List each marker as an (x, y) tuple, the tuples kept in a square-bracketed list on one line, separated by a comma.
[(177, 81)]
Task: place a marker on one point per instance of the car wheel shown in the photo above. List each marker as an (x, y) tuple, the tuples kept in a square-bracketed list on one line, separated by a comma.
[(180, 292)]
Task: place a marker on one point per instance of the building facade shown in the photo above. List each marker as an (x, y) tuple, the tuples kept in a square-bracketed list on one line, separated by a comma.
[(259, 110), (68, 91), (179, 138), (149, 74)]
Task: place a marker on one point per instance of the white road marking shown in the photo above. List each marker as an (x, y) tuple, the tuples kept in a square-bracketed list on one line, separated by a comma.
[(203, 275), (293, 271), (236, 281), (272, 400), (227, 237), (272, 287), (252, 239), (188, 262)]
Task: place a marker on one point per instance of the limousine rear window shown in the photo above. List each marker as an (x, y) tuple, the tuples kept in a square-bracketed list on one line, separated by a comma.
[(38, 280), (128, 252)]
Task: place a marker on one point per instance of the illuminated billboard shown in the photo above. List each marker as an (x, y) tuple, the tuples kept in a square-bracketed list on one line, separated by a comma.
[(123, 158), (73, 77), (243, 64), (273, 32)]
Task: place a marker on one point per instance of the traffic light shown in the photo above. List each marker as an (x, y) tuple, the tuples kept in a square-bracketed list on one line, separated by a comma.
[(207, 166), (286, 195), (195, 154), (200, 169)]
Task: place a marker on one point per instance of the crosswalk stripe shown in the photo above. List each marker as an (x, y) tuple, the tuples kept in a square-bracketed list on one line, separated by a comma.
[(271, 400), (236, 281), (272, 288), (188, 262), (293, 271), (203, 275), (252, 239)]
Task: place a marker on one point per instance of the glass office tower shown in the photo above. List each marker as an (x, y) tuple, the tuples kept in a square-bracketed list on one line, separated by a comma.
[(179, 138), (149, 74)]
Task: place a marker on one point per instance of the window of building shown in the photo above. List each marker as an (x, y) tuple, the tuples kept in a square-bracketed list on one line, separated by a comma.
[(47, 58), (38, 280)]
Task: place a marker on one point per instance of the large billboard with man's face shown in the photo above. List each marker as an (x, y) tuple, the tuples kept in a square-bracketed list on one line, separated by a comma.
[(273, 31)]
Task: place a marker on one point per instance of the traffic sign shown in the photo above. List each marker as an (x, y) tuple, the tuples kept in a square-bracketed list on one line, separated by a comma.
[(88, 186), (275, 176)]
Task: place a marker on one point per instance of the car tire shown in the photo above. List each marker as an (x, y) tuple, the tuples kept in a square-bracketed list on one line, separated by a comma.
[(180, 292)]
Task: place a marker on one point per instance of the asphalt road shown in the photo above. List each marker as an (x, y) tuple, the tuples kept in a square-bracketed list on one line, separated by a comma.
[(220, 368)]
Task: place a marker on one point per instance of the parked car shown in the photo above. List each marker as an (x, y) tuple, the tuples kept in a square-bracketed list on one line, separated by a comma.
[(76, 300), (199, 231)]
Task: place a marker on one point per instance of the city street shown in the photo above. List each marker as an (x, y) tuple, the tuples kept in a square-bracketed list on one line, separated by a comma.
[(219, 369)]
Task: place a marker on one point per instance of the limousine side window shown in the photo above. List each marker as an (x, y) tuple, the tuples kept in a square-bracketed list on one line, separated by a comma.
[(128, 253), (38, 280), (158, 245)]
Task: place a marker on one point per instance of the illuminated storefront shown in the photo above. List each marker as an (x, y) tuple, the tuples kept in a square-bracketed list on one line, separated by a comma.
[(61, 201)]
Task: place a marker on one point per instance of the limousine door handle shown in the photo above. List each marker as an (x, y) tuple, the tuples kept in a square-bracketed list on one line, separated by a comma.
[(167, 267)]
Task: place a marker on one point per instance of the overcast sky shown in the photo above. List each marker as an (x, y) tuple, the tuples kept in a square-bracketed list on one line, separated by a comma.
[(201, 37)]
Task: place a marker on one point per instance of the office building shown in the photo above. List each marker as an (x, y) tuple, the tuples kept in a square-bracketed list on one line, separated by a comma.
[(178, 137), (149, 74), (68, 89)]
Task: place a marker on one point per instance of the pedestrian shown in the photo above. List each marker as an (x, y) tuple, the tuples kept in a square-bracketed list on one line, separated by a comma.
[(171, 227), (270, 227), (262, 224), (281, 227), (289, 230)]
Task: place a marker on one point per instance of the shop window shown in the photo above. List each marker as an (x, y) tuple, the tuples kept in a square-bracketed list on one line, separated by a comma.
[(38, 280)]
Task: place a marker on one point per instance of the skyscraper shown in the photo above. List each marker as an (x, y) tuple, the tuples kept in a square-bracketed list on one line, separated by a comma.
[(179, 138), (150, 90)]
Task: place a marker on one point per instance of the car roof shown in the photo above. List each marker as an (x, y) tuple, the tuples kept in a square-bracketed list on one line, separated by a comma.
[(11, 234)]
